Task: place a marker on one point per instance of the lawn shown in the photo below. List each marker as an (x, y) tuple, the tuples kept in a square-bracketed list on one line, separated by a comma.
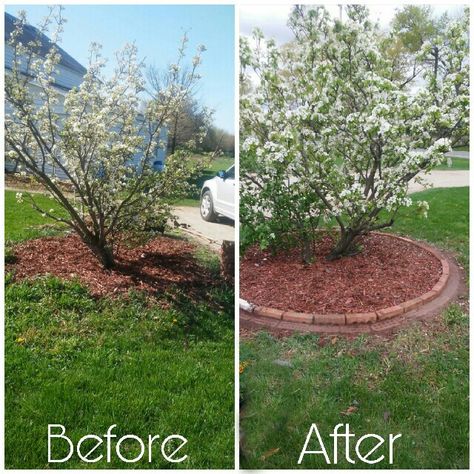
[(416, 383), (457, 164), (461, 148), (22, 222), (220, 163), (153, 366), (447, 225)]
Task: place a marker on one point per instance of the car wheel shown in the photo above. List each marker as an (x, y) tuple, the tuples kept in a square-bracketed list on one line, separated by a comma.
[(207, 207)]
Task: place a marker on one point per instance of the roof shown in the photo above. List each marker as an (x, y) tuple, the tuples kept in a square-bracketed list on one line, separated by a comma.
[(30, 33)]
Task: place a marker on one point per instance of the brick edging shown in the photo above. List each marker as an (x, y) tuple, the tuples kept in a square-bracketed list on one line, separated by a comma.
[(342, 319)]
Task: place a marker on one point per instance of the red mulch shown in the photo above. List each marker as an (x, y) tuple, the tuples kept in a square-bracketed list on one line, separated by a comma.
[(387, 272), (153, 267)]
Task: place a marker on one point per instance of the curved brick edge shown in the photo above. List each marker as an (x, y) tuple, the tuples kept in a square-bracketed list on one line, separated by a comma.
[(356, 322)]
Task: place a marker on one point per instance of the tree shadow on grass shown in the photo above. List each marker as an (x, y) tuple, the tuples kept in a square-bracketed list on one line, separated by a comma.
[(208, 318)]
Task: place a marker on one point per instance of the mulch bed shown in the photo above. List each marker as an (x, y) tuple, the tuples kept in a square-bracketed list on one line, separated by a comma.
[(387, 272), (153, 267)]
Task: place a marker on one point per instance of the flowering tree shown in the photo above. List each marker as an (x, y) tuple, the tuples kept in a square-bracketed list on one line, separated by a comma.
[(324, 120), (102, 135)]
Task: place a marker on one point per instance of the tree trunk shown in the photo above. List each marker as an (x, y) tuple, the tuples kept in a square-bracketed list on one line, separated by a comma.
[(104, 254), (175, 135), (15, 169), (307, 253), (345, 246)]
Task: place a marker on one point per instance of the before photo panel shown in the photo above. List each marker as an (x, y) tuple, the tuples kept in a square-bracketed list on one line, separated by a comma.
[(119, 236)]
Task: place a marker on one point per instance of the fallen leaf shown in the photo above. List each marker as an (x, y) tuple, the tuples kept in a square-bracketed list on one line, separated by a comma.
[(269, 453), (349, 411)]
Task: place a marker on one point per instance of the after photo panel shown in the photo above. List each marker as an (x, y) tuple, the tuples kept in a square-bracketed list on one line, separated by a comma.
[(354, 224)]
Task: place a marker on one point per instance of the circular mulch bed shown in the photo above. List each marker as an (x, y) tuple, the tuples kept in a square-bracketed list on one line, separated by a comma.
[(153, 267), (387, 272)]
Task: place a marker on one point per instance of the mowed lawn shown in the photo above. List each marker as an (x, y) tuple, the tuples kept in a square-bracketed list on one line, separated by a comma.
[(415, 383), (22, 222), (157, 366), (457, 164)]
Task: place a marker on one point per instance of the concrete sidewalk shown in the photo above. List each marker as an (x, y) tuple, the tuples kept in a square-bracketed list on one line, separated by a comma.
[(458, 154), (442, 179)]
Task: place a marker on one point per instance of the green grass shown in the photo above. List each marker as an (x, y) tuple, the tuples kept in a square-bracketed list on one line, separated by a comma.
[(461, 148), (221, 163), (22, 222), (457, 164), (188, 202), (152, 365), (416, 383), (447, 224)]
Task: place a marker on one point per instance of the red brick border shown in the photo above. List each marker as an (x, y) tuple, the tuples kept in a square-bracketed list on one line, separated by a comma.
[(375, 318)]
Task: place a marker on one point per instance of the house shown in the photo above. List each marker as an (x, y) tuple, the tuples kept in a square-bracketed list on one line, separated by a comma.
[(69, 74)]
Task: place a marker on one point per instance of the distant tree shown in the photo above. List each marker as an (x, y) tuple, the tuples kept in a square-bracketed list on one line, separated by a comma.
[(189, 122), (218, 139), (415, 28), (415, 25), (93, 135), (228, 143)]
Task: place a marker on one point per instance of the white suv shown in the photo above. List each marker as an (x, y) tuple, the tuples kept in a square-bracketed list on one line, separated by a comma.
[(217, 196)]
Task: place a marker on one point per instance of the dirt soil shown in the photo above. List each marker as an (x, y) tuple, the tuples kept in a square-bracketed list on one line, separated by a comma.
[(153, 267), (387, 272)]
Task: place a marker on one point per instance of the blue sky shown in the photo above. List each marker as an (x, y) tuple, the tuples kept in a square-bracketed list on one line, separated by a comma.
[(157, 31)]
